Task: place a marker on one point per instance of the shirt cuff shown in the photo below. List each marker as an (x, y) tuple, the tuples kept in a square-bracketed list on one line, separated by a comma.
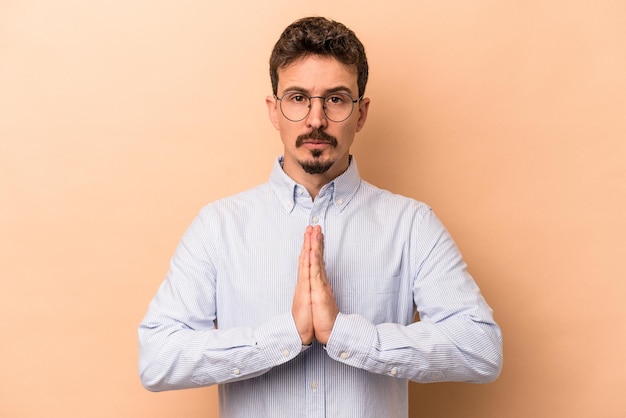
[(279, 340), (351, 340)]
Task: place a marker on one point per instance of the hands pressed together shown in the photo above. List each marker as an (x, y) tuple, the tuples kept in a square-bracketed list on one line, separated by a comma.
[(314, 307)]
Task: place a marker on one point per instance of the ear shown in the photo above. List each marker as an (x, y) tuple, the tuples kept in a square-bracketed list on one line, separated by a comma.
[(272, 109), (364, 106)]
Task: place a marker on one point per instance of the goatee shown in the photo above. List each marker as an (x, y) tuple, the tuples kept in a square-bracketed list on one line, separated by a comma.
[(316, 166)]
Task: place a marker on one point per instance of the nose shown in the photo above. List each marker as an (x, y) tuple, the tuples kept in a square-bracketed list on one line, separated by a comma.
[(316, 118)]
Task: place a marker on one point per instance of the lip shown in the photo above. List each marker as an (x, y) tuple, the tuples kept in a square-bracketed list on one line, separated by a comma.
[(316, 145), (315, 142)]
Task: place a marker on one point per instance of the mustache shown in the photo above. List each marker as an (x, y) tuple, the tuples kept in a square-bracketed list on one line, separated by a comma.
[(316, 134)]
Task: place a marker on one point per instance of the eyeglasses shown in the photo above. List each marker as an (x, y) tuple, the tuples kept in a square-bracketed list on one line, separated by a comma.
[(295, 106)]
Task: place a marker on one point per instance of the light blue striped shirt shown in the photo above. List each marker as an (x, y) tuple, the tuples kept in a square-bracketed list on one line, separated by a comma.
[(223, 314)]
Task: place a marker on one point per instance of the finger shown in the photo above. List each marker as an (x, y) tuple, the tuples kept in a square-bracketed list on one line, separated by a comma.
[(317, 239), (318, 270), (320, 240), (304, 261), (323, 303), (301, 306), (306, 241)]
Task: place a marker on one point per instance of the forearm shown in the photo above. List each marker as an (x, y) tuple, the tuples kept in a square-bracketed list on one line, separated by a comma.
[(176, 357), (462, 348)]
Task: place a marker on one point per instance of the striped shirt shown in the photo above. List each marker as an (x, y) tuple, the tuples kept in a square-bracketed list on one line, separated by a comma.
[(223, 313)]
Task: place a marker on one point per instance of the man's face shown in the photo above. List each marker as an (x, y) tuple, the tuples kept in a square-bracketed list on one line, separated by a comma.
[(317, 145)]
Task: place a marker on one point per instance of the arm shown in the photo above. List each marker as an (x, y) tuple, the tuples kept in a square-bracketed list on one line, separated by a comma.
[(456, 338), (180, 345)]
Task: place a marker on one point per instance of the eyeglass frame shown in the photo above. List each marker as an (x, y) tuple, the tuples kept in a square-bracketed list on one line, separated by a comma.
[(354, 101)]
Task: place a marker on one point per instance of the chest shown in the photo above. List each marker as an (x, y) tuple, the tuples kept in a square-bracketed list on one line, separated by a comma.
[(366, 262)]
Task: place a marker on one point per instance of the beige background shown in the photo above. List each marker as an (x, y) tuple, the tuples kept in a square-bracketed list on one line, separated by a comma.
[(120, 119)]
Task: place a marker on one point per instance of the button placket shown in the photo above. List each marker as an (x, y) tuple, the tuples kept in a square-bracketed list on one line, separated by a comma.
[(315, 389), (320, 206)]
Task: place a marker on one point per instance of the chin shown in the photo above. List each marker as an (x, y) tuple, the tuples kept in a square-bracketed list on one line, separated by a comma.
[(316, 166)]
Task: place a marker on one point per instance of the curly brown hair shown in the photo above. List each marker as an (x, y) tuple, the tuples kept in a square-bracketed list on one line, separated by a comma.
[(319, 36)]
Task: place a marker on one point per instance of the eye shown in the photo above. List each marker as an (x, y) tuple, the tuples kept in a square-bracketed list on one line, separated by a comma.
[(336, 99), (296, 98)]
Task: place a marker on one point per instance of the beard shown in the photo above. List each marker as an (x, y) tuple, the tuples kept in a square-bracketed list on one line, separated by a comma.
[(316, 165)]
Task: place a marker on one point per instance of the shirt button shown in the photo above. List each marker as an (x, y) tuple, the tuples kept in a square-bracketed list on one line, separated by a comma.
[(393, 371), (314, 219), (344, 355), (236, 372), (314, 385), (285, 353), (339, 202)]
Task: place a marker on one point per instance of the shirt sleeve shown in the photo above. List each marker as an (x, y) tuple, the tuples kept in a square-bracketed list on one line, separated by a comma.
[(456, 338), (180, 345)]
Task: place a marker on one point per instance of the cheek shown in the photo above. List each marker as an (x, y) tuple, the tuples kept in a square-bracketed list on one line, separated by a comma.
[(347, 136), (281, 126), (288, 133)]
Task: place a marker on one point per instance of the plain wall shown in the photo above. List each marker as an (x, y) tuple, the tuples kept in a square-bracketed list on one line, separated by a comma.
[(120, 119)]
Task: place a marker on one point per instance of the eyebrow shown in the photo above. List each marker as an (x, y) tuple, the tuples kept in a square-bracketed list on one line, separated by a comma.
[(326, 92)]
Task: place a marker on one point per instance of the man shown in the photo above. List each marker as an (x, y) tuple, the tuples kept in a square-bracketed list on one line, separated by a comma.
[(298, 297)]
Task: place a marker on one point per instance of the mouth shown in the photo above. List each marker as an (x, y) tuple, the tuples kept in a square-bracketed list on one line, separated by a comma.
[(316, 142), (315, 139), (316, 146)]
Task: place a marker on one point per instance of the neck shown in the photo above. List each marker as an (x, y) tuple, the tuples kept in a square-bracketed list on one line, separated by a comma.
[(313, 183)]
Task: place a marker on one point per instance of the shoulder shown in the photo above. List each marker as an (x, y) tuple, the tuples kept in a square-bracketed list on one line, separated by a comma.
[(390, 201), (239, 203)]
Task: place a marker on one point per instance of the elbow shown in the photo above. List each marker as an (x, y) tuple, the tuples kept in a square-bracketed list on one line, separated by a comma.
[(150, 380), (488, 366), (155, 375), (488, 371), (496, 366), (150, 386)]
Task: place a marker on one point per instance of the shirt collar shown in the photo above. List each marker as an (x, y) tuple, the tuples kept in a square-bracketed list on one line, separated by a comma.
[(344, 187)]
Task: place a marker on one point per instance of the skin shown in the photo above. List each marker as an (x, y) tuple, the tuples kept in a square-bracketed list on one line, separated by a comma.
[(317, 76), (314, 307)]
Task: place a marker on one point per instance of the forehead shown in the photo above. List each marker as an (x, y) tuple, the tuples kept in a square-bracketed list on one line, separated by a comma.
[(315, 74)]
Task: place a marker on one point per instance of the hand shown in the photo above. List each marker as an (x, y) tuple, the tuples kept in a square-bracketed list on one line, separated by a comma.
[(314, 307), (301, 307), (323, 302)]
